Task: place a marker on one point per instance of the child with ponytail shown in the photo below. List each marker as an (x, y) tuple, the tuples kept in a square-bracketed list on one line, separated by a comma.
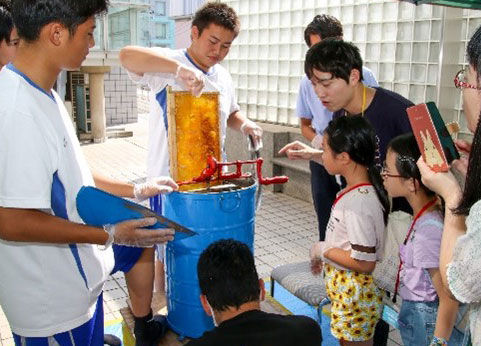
[(355, 232)]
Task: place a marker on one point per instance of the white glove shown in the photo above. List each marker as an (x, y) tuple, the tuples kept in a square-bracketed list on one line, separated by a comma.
[(133, 233), (250, 128), (192, 80), (316, 250), (316, 142), (153, 187)]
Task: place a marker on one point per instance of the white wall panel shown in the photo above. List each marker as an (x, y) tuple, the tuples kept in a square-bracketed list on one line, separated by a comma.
[(400, 42)]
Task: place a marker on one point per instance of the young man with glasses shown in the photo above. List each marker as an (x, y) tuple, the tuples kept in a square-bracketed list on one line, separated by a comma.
[(8, 34)]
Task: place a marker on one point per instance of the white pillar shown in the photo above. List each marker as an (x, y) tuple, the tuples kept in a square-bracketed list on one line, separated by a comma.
[(97, 100)]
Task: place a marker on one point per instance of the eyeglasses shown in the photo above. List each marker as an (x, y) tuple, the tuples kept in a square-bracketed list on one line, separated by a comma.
[(385, 172), (460, 81)]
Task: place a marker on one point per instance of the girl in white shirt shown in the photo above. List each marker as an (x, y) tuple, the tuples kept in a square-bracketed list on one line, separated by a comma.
[(355, 232)]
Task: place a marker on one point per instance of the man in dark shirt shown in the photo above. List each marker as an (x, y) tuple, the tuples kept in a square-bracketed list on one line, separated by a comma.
[(334, 68), (231, 292)]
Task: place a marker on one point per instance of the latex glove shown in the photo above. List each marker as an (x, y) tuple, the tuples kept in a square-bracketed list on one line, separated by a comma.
[(250, 128), (300, 151), (316, 142), (192, 80), (133, 233), (443, 183), (153, 187), (316, 250)]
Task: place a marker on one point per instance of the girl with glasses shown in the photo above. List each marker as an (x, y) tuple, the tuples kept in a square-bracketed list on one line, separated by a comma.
[(427, 311)]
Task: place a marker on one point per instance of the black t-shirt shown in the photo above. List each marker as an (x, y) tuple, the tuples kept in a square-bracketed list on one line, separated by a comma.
[(259, 328), (387, 114)]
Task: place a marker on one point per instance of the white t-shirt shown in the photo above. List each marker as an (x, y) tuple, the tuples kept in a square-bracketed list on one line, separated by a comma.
[(217, 79), (44, 289), (357, 219)]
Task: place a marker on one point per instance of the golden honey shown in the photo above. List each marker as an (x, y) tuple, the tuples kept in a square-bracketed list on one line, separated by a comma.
[(194, 134)]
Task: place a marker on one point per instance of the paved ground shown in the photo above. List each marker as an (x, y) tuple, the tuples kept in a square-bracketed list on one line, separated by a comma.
[(285, 226)]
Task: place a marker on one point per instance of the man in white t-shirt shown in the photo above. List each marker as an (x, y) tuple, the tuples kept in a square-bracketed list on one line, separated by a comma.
[(52, 268), (214, 28)]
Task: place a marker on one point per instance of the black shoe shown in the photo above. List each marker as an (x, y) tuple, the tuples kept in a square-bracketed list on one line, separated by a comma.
[(112, 340), (148, 330)]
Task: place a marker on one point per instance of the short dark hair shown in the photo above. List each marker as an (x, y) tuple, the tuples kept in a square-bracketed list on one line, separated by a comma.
[(325, 26), (407, 150), (6, 20), (216, 13), (335, 56), (227, 274), (30, 16)]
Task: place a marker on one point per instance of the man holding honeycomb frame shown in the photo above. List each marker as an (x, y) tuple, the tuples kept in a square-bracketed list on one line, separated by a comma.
[(197, 68)]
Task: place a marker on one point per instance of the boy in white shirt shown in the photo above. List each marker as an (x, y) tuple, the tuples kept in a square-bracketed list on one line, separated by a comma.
[(52, 269), (197, 68)]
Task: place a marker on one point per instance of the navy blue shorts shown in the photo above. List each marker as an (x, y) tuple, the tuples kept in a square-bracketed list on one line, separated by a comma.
[(90, 333), (125, 257)]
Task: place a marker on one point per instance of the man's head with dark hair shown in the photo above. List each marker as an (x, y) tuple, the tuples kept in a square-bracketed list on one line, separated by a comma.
[(216, 13), (322, 26), (214, 28), (32, 15), (335, 70), (61, 31), (6, 21), (8, 34), (228, 276), (334, 56)]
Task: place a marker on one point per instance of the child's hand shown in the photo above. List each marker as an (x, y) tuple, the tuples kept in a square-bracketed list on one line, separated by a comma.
[(316, 250), (443, 183), (316, 266), (316, 257)]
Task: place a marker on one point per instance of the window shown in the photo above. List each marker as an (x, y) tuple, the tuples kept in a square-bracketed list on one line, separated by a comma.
[(160, 8), (119, 29), (160, 31)]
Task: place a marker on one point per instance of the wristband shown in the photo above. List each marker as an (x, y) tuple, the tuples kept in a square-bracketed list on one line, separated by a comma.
[(109, 229)]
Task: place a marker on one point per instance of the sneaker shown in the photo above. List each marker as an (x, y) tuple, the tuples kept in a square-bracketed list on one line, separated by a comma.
[(148, 331), (112, 340)]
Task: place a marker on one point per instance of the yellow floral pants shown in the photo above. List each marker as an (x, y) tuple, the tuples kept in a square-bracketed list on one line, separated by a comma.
[(356, 303)]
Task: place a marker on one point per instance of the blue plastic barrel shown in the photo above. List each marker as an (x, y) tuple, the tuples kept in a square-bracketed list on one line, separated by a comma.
[(213, 216)]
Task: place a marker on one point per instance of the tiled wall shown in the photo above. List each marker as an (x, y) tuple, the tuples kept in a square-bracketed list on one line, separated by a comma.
[(120, 98), (400, 42)]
